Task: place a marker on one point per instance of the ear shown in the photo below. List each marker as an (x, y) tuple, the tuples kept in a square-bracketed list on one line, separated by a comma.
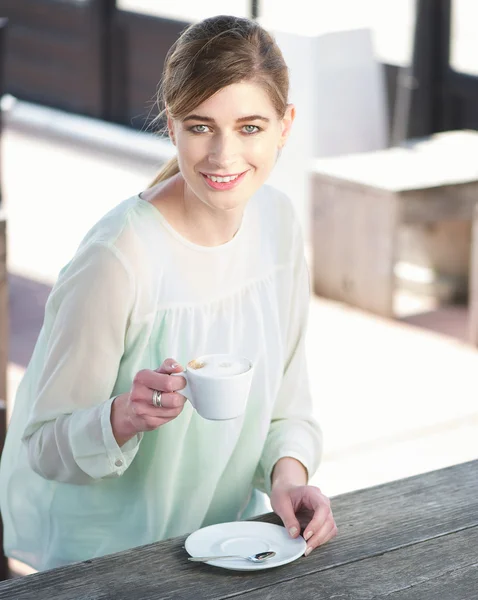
[(286, 124), (171, 128)]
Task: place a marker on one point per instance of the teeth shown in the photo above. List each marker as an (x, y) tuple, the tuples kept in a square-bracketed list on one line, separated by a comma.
[(222, 179)]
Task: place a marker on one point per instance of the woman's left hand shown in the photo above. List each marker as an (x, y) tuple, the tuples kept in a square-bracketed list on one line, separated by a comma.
[(307, 503)]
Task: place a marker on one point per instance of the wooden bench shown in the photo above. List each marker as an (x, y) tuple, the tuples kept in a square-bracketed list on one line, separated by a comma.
[(360, 202)]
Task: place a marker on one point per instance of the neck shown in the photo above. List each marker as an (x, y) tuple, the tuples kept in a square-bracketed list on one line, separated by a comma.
[(208, 226), (194, 220)]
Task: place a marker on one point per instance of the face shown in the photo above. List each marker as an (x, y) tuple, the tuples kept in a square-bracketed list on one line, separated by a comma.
[(228, 145)]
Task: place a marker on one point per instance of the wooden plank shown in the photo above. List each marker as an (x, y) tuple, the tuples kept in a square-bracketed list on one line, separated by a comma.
[(139, 47), (3, 363), (371, 522), (473, 283), (354, 233), (3, 310), (54, 85), (418, 164), (57, 53), (445, 568), (450, 202), (53, 15), (462, 584), (43, 47)]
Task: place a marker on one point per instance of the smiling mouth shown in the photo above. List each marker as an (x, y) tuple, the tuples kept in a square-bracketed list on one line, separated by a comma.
[(222, 178), (222, 183)]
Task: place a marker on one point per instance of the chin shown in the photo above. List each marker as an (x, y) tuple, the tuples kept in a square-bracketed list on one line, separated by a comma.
[(227, 204), (226, 199)]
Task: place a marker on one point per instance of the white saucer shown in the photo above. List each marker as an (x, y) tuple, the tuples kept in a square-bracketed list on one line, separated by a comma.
[(245, 538)]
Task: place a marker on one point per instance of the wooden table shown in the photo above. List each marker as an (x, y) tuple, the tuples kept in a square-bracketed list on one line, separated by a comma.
[(413, 539), (361, 202)]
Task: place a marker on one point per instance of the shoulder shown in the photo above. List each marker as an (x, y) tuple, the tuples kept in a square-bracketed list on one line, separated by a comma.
[(276, 216), (109, 246), (109, 228), (275, 207), (129, 231), (269, 197)]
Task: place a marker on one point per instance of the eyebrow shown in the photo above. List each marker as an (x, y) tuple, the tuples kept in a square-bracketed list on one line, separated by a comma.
[(240, 120)]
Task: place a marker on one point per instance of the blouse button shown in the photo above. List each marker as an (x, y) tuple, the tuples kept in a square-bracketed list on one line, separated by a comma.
[(119, 462)]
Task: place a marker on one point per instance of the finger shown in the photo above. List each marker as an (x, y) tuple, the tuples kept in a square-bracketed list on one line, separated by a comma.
[(284, 509), (159, 381), (146, 410), (329, 536), (152, 422), (142, 397), (165, 413), (171, 400), (326, 536), (328, 531), (170, 366), (321, 515)]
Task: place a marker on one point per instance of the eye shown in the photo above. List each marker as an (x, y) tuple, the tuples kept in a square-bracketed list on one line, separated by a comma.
[(251, 129), (199, 128)]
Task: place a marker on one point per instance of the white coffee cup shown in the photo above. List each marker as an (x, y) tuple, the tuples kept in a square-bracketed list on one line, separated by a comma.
[(218, 385)]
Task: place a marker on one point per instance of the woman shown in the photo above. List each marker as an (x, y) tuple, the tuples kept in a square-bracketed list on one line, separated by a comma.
[(103, 452)]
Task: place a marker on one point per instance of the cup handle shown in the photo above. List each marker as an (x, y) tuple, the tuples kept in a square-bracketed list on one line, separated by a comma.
[(187, 390)]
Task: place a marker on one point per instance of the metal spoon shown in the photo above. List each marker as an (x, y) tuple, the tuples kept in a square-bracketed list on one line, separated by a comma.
[(255, 558)]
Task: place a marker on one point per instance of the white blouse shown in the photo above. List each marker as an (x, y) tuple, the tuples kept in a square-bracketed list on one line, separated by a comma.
[(135, 293)]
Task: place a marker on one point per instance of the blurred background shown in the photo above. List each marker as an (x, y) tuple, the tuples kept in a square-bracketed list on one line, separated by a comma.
[(381, 167)]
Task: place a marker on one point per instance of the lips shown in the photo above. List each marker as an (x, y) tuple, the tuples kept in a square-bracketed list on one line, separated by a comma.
[(223, 185)]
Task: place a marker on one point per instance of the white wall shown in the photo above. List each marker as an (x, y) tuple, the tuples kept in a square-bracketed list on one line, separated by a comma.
[(390, 21), (338, 88)]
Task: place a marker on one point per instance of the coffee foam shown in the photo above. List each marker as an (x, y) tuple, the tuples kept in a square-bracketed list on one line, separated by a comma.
[(219, 366)]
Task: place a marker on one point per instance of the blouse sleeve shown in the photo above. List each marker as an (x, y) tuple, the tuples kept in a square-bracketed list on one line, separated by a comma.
[(69, 437), (293, 431)]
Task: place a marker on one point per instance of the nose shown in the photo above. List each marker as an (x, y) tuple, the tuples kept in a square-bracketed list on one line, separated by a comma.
[(224, 150)]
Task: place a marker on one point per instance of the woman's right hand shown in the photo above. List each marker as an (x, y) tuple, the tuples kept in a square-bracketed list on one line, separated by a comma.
[(134, 412)]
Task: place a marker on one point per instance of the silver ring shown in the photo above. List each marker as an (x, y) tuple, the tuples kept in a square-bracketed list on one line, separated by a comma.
[(157, 399)]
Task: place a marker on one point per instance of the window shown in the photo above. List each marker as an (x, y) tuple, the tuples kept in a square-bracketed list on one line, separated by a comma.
[(464, 38), (187, 10), (391, 21)]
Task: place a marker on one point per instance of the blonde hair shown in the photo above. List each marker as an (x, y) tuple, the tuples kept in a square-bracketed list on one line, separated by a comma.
[(212, 54)]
